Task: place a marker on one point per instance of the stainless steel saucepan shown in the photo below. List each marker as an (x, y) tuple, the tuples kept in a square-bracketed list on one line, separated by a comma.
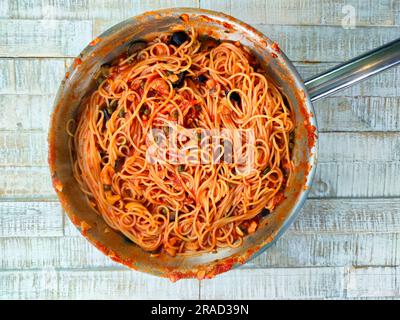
[(78, 84)]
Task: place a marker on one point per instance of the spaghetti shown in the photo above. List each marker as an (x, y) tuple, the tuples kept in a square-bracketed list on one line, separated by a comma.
[(185, 81)]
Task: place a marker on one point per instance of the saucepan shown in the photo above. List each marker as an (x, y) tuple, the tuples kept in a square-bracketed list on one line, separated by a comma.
[(78, 83)]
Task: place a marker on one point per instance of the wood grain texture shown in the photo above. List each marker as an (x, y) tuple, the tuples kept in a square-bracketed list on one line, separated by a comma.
[(23, 149), (307, 43), (86, 9), (43, 38), (374, 282), (359, 147), (36, 76), (26, 183), (22, 112), (358, 113), (308, 12), (31, 219), (321, 250), (7, 75), (353, 233), (57, 252), (304, 12), (288, 283), (89, 284), (354, 216), (300, 283), (4, 9), (356, 179)]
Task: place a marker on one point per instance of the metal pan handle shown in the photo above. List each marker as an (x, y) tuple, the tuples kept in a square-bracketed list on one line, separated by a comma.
[(355, 70)]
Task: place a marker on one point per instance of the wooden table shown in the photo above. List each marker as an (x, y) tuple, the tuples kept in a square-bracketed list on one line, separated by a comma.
[(346, 243)]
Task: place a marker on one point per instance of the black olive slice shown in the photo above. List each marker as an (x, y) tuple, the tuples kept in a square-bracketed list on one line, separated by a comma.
[(136, 46), (178, 38)]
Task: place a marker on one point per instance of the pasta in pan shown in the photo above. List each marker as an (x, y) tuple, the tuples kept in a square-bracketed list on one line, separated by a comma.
[(174, 93)]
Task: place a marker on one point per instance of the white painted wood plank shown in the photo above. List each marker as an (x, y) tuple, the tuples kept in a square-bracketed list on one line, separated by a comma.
[(31, 75), (23, 148), (87, 9), (7, 75), (123, 285), (292, 250), (323, 250), (221, 6), (4, 9), (19, 183), (374, 282), (38, 76), (25, 112), (370, 12), (43, 38), (58, 252), (45, 9), (309, 43), (30, 219), (109, 9), (306, 12), (252, 11), (358, 113), (28, 285), (301, 43), (86, 284), (339, 216), (295, 283), (356, 179), (34, 219), (397, 13), (359, 147)]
